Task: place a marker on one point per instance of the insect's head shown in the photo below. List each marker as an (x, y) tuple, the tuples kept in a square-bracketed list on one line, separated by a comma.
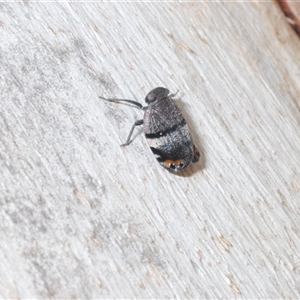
[(156, 94)]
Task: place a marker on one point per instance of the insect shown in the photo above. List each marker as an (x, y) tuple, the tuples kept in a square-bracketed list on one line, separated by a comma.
[(165, 129)]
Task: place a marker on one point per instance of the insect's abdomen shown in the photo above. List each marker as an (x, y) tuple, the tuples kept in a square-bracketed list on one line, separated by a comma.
[(168, 135)]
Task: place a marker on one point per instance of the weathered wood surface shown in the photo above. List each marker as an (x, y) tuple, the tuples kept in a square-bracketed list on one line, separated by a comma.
[(82, 217)]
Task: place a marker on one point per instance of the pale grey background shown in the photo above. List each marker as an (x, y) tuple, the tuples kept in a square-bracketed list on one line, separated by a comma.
[(82, 217)]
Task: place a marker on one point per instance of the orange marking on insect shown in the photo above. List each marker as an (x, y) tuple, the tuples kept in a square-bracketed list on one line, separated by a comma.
[(169, 162)]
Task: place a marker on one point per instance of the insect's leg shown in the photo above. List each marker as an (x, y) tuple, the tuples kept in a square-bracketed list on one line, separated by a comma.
[(196, 154), (135, 103), (173, 94), (136, 123)]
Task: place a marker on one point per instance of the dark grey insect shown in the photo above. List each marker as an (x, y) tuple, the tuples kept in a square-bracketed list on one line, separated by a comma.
[(165, 129)]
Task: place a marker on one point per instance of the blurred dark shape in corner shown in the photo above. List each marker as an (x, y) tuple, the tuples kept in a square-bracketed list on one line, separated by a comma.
[(291, 9)]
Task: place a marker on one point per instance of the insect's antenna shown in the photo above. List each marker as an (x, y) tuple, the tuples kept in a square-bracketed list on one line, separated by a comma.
[(135, 103)]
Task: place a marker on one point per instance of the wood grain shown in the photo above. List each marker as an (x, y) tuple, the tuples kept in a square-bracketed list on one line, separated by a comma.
[(82, 217)]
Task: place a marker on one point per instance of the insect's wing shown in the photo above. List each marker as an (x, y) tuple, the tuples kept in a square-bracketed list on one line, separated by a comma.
[(162, 117), (168, 135)]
